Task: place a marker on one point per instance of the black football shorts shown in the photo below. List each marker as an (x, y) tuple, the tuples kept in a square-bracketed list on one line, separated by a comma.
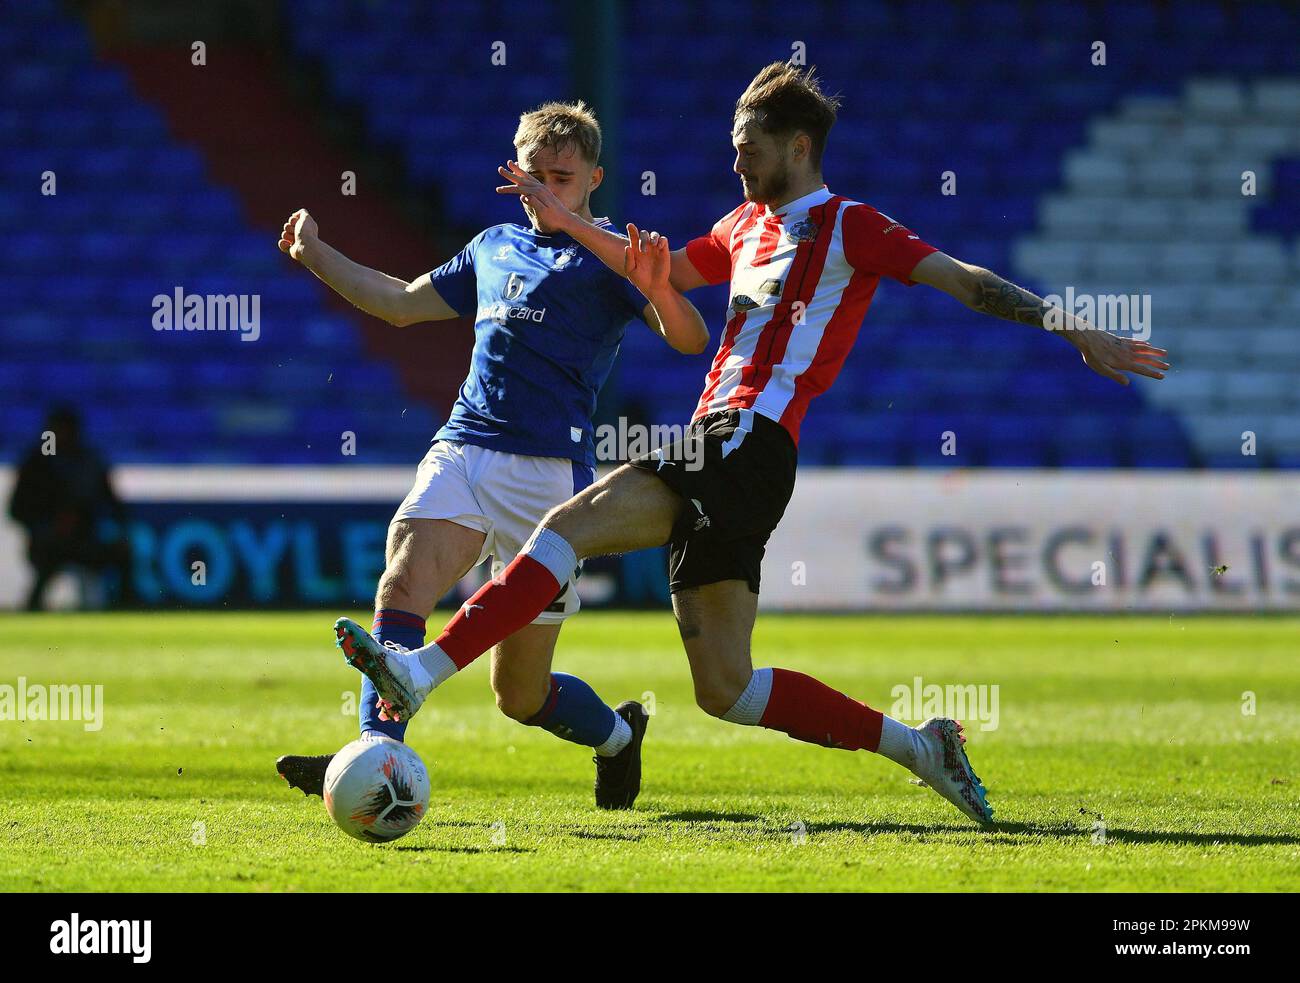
[(735, 469)]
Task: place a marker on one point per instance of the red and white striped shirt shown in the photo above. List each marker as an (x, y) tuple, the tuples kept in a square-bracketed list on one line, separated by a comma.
[(802, 278)]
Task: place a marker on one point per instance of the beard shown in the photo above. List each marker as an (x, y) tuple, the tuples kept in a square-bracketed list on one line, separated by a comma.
[(771, 189)]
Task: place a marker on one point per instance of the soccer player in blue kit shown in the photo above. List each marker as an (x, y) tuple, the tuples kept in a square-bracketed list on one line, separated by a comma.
[(549, 317)]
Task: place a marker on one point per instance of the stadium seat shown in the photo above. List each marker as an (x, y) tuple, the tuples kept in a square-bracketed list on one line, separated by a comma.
[(1130, 183)]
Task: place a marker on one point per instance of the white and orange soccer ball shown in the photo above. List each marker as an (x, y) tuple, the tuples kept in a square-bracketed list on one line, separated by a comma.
[(377, 789)]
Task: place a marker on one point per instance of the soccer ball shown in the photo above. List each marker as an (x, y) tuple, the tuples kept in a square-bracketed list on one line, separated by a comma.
[(377, 789)]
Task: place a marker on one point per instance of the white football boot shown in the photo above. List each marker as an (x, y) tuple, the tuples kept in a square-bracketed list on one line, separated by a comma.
[(941, 764), (402, 681)]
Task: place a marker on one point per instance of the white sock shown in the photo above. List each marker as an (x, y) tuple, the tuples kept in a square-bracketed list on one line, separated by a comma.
[(552, 551), (899, 742), (748, 708), (436, 663), (619, 739)]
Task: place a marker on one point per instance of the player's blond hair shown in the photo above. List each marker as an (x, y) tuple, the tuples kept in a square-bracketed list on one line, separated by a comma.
[(559, 126), (787, 99)]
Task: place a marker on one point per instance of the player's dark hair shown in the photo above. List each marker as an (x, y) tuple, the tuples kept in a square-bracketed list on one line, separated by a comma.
[(786, 99), (558, 126)]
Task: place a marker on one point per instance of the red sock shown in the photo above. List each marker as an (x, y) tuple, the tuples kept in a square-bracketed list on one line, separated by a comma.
[(498, 609), (811, 711)]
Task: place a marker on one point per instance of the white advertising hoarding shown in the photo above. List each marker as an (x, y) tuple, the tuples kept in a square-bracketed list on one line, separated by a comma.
[(898, 539), (1037, 540)]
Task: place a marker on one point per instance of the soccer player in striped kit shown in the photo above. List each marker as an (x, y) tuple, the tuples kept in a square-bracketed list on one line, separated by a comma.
[(803, 264), (549, 317)]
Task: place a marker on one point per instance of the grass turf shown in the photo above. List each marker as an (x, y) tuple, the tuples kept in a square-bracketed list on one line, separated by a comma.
[(1132, 724)]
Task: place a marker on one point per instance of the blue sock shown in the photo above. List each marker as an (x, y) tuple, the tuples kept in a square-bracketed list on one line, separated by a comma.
[(404, 628), (574, 712)]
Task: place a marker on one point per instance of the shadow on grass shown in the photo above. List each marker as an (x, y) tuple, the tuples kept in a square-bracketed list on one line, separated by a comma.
[(584, 834), (457, 824), (434, 848), (1030, 831), (1200, 839), (705, 816)]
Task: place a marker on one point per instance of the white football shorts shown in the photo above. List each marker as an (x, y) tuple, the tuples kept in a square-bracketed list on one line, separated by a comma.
[(504, 496)]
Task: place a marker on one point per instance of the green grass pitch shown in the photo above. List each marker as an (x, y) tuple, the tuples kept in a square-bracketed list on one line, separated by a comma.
[(1134, 723)]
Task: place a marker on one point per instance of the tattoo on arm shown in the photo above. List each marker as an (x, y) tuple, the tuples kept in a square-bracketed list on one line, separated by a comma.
[(996, 296)]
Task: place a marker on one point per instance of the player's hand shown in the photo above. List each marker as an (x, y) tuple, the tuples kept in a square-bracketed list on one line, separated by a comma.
[(300, 227), (1110, 355), (539, 200), (646, 260)]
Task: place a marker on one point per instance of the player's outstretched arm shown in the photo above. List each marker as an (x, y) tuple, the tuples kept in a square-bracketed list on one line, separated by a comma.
[(607, 246), (984, 291), (647, 263), (386, 297)]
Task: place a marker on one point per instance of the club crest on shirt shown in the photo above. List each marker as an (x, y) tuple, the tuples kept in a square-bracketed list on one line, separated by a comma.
[(565, 257), (702, 520), (770, 287), (803, 231), (742, 303)]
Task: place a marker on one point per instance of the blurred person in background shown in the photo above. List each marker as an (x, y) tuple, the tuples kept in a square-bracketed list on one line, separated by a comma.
[(63, 497)]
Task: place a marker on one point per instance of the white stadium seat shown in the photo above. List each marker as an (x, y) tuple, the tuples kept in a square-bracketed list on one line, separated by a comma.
[(1189, 387), (1051, 260), (1215, 98), (1150, 218), (1188, 261), (1235, 303), (1095, 173), (1150, 108), (1220, 432), (1278, 346), (1287, 305), (1073, 217), (1221, 177), (1176, 304), (1257, 261), (1206, 347), (1218, 219), (1153, 206), (1120, 263), (1260, 388), (1284, 434), (1262, 140), (1167, 176), (1124, 137), (1198, 139), (1277, 99)]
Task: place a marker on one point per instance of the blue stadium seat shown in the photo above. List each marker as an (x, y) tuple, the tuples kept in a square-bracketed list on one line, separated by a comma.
[(1019, 397)]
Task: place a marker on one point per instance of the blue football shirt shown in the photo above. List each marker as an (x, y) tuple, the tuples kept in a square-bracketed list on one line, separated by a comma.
[(549, 317)]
